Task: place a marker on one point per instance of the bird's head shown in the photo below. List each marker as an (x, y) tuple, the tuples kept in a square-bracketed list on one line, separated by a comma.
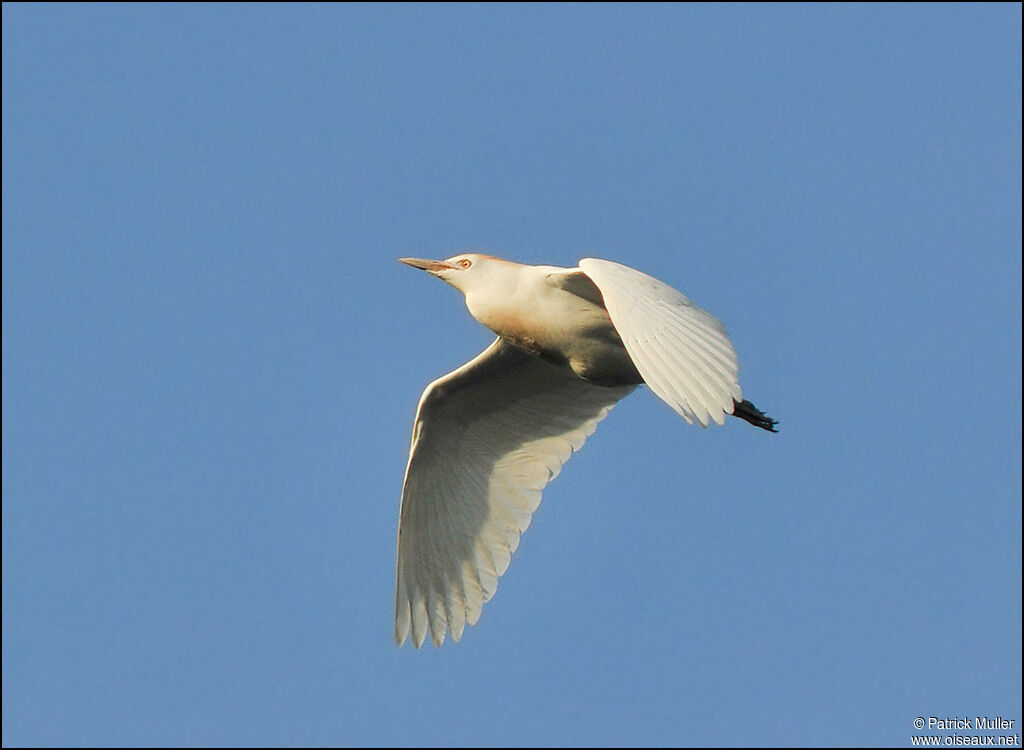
[(463, 271)]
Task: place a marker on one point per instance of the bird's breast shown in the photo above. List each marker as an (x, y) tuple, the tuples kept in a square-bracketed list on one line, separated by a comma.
[(563, 329)]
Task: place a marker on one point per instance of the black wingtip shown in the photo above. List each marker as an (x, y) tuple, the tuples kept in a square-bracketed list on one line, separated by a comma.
[(747, 411)]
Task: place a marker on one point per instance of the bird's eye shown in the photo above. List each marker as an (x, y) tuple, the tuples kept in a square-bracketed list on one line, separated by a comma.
[(464, 263)]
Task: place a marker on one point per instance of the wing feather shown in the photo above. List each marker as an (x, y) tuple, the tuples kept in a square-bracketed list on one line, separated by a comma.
[(683, 352), (487, 439)]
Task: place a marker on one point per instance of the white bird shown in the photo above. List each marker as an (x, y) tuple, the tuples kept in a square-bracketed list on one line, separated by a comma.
[(489, 436)]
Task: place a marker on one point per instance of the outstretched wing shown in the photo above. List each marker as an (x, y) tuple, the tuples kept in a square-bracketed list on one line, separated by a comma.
[(682, 352), (487, 439)]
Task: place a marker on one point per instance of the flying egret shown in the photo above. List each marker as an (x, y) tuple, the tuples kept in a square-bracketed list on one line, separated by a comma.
[(490, 435)]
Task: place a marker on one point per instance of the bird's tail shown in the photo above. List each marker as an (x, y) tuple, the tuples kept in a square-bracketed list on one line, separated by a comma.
[(749, 412)]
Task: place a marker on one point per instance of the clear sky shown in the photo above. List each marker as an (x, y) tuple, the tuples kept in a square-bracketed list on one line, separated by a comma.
[(211, 362)]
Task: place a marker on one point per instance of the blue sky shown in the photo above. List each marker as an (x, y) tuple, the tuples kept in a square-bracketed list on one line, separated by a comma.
[(211, 362)]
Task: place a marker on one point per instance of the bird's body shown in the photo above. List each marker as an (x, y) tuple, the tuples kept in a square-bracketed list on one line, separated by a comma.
[(490, 435), (573, 328)]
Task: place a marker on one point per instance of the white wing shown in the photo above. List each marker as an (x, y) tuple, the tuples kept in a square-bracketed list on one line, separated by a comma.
[(488, 437), (682, 352)]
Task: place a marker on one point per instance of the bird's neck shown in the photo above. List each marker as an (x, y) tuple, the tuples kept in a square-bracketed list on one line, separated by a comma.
[(499, 310)]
